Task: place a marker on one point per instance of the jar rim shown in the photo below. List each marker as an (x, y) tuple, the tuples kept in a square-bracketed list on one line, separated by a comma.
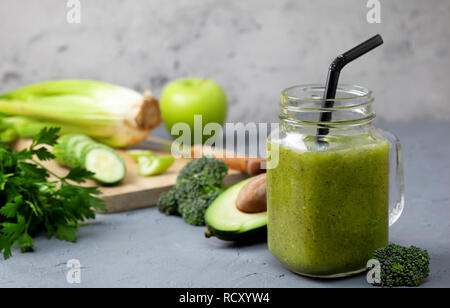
[(303, 105), (358, 92)]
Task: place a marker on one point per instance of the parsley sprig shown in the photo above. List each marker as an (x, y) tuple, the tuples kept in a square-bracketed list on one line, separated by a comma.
[(30, 202)]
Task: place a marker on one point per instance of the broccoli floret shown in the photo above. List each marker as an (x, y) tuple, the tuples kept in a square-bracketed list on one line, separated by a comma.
[(402, 266), (212, 171), (198, 184), (193, 210), (167, 203)]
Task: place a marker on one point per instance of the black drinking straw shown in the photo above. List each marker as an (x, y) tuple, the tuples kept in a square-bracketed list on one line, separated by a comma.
[(333, 76)]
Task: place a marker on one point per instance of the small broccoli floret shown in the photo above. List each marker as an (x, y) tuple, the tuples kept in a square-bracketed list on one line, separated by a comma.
[(198, 184), (402, 266), (167, 203), (193, 210), (210, 169)]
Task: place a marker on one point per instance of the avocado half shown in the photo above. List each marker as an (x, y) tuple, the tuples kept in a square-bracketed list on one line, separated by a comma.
[(225, 221)]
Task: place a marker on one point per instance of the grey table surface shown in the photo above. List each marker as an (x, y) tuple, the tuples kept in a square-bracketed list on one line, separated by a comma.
[(144, 248)]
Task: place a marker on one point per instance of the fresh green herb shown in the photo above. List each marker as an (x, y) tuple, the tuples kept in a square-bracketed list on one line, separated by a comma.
[(198, 184), (31, 203), (402, 266)]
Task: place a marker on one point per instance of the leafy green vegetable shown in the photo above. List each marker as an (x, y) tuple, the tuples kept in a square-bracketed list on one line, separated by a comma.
[(402, 266), (198, 184), (168, 203), (30, 203)]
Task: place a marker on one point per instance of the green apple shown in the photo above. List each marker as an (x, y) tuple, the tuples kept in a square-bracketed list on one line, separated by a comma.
[(182, 99)]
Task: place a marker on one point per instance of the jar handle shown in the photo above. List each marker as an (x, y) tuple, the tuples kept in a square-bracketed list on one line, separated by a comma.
[(396, 177)]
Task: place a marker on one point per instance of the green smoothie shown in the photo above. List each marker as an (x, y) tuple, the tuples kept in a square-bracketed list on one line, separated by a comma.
[(328, 205)]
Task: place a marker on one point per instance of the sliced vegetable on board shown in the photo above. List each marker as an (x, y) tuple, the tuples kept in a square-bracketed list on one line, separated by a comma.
[(135, 154), (154, 165), (75, 150)]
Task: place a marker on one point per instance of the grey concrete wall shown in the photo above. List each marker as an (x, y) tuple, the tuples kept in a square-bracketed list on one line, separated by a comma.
[(253, 48)]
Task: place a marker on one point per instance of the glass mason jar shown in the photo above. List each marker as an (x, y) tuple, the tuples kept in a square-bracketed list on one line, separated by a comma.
[(330, 184)]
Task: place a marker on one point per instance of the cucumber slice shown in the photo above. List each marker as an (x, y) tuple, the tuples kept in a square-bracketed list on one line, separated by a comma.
[(71, 150), (64, 149), (89, 147), (135, 154), (78, 148), (60, 149), (73, 138), (153, 165), (107, 166)]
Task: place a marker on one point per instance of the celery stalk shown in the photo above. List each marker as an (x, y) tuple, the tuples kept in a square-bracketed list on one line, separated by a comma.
[(114, 115)]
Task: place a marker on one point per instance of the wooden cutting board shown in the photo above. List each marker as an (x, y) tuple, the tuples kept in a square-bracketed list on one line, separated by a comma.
[(134, 191)]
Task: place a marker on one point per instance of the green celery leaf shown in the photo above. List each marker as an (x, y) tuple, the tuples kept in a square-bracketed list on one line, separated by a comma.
[(7, 159), (24, 155), (26, 242), (5, 246), (66, 233), (4, 179), (44, 154), (79, 175), (32, 171), (98, 204), (49, 227), (9, 210), (35, 208), (14, 230), (48, 135)]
